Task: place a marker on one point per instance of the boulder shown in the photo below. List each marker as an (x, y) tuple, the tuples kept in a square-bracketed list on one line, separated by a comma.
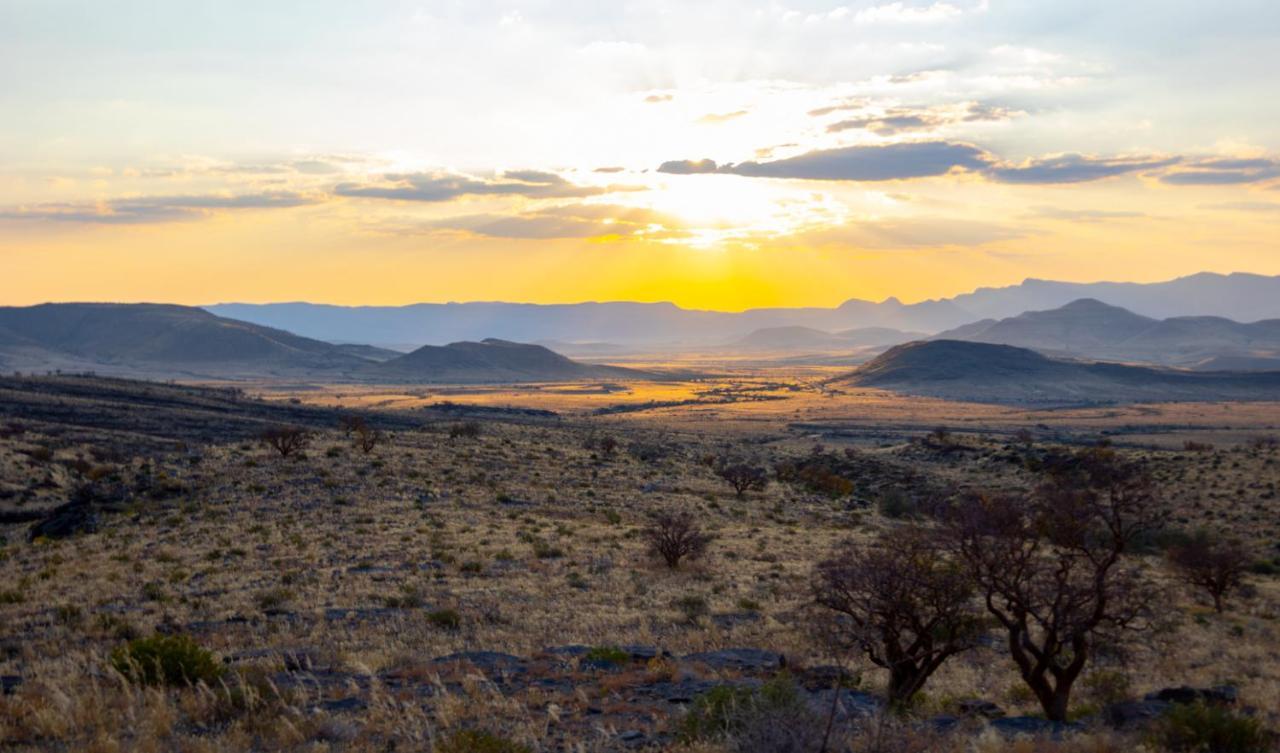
[(1128, 714), (978, 707)]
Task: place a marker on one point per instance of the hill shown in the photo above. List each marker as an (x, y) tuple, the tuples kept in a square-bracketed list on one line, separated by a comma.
[(1092, 329), (491, 360), (983, 372), (158, 339)]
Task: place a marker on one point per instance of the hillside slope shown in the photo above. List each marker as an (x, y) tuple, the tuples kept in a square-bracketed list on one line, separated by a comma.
[(983, 372)]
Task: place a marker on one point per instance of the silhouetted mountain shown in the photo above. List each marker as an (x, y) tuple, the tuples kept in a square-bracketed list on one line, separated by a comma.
[(793, 339), (1242, 297), (1093, 329), (492, 360), (983, 372), (157, 339), (1238, 296)]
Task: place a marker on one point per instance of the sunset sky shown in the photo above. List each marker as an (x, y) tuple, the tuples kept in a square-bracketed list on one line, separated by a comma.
[(716, 154)]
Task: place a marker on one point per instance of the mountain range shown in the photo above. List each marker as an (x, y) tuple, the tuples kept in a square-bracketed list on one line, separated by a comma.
[(1240, 297), (1088, 328)]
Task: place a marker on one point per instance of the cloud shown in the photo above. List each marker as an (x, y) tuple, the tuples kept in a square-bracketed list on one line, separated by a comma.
[(869, 163), (439, 186), (895, 120), (656, 98), (153, 209), (1074, 168), (713, 118), (571, 221), (688, 167), (1083, 215), (900, 13), (1245, 206), (1223, 172), (609, 169)]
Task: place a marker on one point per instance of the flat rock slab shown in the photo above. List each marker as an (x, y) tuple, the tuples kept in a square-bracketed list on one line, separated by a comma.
[(1033, 726), (744, 659)]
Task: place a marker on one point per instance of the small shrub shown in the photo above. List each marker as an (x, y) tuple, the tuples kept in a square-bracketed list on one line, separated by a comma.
[(165, 660), (1197, 728), (692, 606), (772, 717), (465, 430), (445, 619), (478, 741), (608, 655)]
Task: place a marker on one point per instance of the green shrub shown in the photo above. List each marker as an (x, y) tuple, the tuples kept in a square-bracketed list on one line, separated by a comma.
[(608, 655), (478, 741), (727, 710), (1197, 728), (445, 619), (165, 660)]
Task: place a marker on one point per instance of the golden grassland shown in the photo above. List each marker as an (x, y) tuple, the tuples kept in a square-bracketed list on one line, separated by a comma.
[(528, 534)]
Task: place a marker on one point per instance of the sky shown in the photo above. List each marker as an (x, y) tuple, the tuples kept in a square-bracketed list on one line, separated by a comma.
[(720, 155)]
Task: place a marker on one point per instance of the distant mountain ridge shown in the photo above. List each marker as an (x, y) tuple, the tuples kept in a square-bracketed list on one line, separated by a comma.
[(163, 340), (990, 373), (1239, 296), (1089, 328)]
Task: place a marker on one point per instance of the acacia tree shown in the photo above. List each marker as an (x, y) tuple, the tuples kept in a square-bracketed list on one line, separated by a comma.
[(742, 477), (907, 606), (285, 440), (676, 536), (1051, 568), (1212, 564)]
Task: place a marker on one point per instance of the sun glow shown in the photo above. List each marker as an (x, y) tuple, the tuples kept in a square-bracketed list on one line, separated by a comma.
[(719, 210)]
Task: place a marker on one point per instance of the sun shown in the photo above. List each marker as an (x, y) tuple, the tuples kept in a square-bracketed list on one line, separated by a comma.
[(715, 210)]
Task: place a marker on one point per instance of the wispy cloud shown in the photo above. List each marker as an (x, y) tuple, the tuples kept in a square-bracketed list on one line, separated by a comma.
[(1075, 168), (855, 163), (153, 209), (894, 120), (566, 221), (1223, 172), (439, 186)]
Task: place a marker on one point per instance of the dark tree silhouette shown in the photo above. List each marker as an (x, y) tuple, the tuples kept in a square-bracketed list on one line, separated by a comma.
[(368, 437), (742, 477), (676, 536), (907, 606), (1051, 568), (1215, 565), (285, 440)]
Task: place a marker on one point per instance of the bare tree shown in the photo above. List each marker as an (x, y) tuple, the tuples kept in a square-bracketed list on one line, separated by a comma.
[(351, 423), (676, 536), (1210, 563), (368, 437), (608, 446), (285, 440), (1051, 568), (742, 477), (906, 605)]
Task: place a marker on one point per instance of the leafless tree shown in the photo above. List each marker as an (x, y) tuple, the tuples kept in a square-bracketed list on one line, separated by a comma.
[(676, 536), (1051, 567), (608, 446), (905, 604), (285, 440), (1210, 563)]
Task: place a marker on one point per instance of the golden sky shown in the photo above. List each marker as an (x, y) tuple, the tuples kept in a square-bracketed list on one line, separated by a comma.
[(715, 154)]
